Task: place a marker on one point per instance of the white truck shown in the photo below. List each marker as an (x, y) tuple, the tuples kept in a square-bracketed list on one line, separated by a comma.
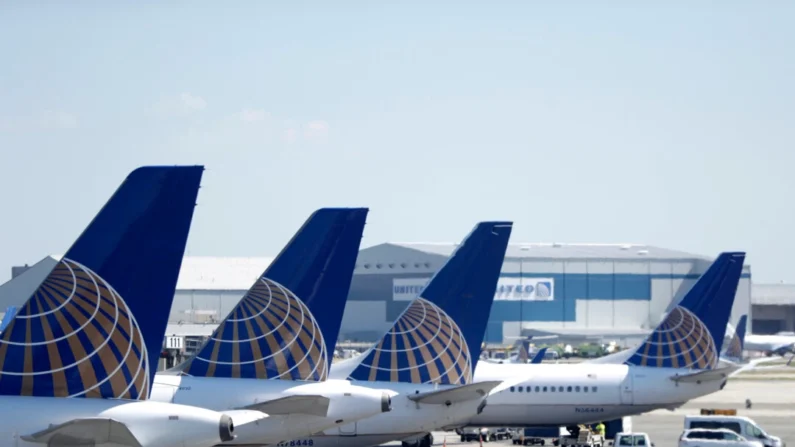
[(741, 425), (626, 439)]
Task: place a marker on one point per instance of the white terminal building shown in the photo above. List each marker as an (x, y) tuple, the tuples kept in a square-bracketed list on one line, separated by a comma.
[(595, 291)]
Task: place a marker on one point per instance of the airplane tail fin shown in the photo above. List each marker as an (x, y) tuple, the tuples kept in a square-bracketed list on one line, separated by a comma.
[(692, 333), (437, 339), (95, 325), (9, 315), (735, 348), (523, 354), (289, 319), (539, 356)]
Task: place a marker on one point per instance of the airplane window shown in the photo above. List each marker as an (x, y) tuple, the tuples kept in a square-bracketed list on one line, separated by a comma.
[(568, 389), (585, 388), (537, 388), (521, 388), (545, 389), (593, 388), (529, 389), (513, 389), (552, 389), (560, 388), (576, 389)]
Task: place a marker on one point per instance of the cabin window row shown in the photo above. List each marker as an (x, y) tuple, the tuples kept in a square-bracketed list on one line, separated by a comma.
[(553, 389)]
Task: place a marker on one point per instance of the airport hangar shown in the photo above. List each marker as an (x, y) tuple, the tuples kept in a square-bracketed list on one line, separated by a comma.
[(611, 292)]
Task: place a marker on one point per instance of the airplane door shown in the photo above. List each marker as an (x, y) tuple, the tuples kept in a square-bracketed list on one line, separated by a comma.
[(348, 429), (627, 391)]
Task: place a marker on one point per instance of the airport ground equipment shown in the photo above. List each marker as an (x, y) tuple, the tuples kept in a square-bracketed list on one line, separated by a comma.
[(720, 437), (632, 440), (743, 426)]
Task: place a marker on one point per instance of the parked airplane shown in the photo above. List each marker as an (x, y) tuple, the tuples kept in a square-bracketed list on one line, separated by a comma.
[(734, 352), (677, 362), (779, 344), (273, 334), (428, 356), (77, 360)]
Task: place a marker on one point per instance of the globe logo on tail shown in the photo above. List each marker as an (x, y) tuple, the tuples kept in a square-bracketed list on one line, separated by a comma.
[(271, 334), (681, 341), (75, 337), (424, 346), (735, 349)]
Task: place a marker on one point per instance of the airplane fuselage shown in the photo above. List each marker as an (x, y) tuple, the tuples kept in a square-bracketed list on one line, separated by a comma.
[(407, 419), (348, 403), (153, 424), (768, 343), (566, 394)]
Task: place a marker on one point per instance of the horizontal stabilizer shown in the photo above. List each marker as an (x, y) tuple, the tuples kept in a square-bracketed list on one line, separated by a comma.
[(455, 395), (706, 375), (88, 431), (311, 404)]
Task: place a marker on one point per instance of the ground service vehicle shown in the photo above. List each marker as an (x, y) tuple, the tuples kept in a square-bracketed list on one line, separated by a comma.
[(741, 425), (701, 437), (632, 440), (584, 438)]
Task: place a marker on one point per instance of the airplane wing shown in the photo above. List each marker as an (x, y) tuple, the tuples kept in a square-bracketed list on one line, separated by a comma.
[(455, 395), (707, 375), (87, 431), (314, 405), (753, 365), (242, 417)]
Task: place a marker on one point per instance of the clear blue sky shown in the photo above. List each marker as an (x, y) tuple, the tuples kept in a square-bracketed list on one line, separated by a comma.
[(585, 122)]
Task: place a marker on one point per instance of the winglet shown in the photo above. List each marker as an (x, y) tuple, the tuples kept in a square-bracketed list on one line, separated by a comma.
[(437, 339), (285, 324), (539, 356), (95, 325), (691, 335)]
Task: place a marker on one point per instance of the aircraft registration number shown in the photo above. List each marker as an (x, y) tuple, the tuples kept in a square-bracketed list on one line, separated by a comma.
[(297, 443)]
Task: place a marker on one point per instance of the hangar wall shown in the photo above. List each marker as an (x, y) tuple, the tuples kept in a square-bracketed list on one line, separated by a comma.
[(587, 289)]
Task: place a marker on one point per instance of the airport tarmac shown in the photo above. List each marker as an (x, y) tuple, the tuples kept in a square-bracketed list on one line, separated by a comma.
[(773, 408)]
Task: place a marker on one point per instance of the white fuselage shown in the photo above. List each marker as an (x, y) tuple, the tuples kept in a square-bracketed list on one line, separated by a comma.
[(407, 419), (567, 394), (348, 403), (153, 424), (768, 343)]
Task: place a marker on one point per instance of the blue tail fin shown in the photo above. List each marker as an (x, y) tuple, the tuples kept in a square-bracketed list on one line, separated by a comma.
[(692, 333), (10, 312), (285, 324), (735, 348), (539, 356), (437, 339), (95, 325), (523, 352)]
